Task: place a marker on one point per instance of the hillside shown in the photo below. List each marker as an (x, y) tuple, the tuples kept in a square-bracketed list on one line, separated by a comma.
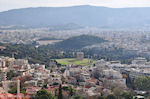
[(81, 15), (79, 42)]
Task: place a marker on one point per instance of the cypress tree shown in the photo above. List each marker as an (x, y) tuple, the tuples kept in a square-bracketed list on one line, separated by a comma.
[(60, 96)]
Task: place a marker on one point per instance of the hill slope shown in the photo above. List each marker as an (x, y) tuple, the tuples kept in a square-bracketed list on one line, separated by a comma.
[(79, 42), (81, 15)]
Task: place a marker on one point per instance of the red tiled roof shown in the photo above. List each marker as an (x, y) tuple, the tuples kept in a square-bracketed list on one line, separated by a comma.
[(87, 87), (92, 80), (2, 47), (33, 90)]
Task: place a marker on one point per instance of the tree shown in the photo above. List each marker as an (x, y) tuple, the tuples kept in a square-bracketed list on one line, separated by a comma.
[(13, 89), (60, 96), (77, 97), (45, 86), (43, 94), (63, 79), (142, 83), (120, 94), (111, 96), (56, 92), (117, 92), (127, 95), (100, 97), (11, 74), (72, 91)]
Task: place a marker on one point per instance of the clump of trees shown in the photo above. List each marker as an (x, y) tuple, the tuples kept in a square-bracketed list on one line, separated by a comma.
[(43, 94), (43, 54), (142, 83), (121, 94), (77, 97), (78, 42), (65, 92), (11, 74), (111, 96)]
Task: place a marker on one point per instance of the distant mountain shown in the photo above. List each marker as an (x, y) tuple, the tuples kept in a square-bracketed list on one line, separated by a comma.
[(82, 15), (78, 42)]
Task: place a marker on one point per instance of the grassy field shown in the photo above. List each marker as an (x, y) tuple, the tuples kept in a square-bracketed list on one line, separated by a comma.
[(67, 61)]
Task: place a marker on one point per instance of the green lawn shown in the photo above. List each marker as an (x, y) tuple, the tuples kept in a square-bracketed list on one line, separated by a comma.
[(67, 61)]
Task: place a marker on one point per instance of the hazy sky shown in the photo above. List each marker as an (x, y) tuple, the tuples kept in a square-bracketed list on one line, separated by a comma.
[(13, 4)]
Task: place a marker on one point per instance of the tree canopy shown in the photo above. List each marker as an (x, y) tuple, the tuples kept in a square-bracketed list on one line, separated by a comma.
[(142, 83), (43, 94)]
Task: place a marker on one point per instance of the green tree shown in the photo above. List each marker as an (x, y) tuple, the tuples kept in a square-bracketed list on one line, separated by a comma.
[(111, 96), (56, 92), (77, 97), (142, 83), (12, 90), (127, 95), (71, 91), (60, 96), (43, 94), (100, 97), (11, 74), (45, 86), (63, 79), (117, 92)]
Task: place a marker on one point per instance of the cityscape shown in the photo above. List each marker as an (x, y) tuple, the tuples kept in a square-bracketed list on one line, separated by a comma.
[(74, 49)]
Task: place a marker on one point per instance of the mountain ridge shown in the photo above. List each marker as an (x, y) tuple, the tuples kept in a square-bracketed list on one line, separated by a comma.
[(92, 16)]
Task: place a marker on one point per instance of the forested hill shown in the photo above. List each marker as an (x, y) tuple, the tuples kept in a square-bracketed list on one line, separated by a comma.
[(78, 42)]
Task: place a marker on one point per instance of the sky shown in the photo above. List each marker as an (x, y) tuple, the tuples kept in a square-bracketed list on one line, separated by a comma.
[(15, 4)]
